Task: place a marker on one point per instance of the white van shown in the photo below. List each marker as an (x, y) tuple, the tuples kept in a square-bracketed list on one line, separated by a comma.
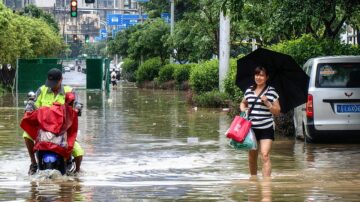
[(333, 104)]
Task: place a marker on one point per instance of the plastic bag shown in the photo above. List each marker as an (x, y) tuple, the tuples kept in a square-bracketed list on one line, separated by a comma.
[(250, 142)]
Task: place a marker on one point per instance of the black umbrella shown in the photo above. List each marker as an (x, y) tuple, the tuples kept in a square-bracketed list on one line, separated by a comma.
[(286, 76)]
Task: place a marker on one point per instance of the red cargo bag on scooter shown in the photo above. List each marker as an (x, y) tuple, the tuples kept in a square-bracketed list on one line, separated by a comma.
[(53, 128)]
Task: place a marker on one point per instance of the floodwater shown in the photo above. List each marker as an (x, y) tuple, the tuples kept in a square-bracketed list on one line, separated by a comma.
[(149, 145)]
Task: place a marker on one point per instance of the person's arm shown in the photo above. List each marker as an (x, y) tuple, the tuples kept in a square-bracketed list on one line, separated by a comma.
[(77, 103), (274, 107), (243, 105), (37, 100)]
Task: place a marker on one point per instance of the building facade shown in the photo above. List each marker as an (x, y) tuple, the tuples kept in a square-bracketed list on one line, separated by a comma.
[(91, 17), (351, 35)]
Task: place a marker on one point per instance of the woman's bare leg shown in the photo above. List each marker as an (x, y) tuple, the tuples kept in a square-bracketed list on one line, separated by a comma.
[(253, 156), (265, 148)]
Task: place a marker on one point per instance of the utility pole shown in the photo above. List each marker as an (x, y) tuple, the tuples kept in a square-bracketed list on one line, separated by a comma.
[(224, 49), (172, 22)]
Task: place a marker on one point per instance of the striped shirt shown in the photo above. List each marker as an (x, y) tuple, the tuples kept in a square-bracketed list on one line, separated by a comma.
[(261, 116)]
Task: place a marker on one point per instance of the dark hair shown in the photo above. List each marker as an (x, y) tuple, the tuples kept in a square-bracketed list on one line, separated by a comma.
[(257, 71)]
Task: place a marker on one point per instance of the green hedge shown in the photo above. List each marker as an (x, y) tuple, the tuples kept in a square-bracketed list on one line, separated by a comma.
[(148, 70), (166, 73), (229, 83), (128, 69), (205, 76), (177, 72), (2, 90), (212, 98), (182, 73)]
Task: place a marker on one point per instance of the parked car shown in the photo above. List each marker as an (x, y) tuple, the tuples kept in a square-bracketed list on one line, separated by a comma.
[(72, 66), (67, 69), (333, 104)]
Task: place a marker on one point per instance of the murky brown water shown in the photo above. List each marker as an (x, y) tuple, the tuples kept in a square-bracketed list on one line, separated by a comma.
[(136, 144)]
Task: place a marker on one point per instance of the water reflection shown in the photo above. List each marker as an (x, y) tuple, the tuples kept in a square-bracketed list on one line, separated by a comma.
[(57, 191), (259, 190), (137, 147)]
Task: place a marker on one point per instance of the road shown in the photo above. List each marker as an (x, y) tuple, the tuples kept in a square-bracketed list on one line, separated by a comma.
[(74, 79), (137, 148)]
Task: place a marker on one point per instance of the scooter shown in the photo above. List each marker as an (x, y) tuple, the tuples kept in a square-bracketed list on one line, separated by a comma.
[(47, 159)]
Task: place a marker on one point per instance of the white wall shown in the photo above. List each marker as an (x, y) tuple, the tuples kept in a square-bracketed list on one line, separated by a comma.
[(44, 3)]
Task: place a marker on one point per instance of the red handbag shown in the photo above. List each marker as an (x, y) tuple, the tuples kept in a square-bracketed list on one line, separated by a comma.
[(239, 128)]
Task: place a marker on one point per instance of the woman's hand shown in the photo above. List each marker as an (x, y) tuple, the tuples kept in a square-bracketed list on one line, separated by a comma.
[(243, 105), (266, 102)]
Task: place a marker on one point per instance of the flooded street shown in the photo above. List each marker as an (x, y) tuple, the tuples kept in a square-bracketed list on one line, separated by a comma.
[(149, 145)]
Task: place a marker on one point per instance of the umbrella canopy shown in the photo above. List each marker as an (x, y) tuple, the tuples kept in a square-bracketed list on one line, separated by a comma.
[(285, 75)]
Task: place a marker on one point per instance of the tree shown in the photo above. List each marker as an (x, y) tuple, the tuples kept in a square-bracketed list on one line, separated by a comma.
[(35, 12), (191, 40), (155, 7), (93, 49), (286, 19), (149, 40), (24, 37), (120, 44), (196, 36), (44, 41), (234, 6)]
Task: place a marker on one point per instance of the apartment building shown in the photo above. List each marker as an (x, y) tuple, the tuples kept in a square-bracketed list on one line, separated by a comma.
[(91, 17), (351, 35)]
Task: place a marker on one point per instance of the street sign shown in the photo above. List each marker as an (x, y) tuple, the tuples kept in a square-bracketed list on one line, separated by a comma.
[(113, 19), (165, 17), (130, 16), (103, 34), (119, 19), (98, 38)]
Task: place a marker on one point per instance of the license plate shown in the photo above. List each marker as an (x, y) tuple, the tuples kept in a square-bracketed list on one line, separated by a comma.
[(347, 108)]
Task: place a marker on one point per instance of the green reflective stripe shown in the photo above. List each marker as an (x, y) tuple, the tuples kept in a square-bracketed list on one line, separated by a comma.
[(67, 89), (47, 98)]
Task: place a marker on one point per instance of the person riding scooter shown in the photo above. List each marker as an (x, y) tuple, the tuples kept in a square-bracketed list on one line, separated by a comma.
[(52, 92), (54, 130)]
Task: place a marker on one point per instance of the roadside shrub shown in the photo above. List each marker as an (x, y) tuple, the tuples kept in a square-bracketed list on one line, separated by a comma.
[(2, 90), (284, 124), (307, 47), (148, 70), (182, 73), (230, 87), (128, 69), (166, 73), (204, 76), (234, 92), (212, 98)]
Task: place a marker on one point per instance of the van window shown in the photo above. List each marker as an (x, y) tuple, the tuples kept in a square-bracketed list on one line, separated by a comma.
[(307, 67), (338, 75)]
